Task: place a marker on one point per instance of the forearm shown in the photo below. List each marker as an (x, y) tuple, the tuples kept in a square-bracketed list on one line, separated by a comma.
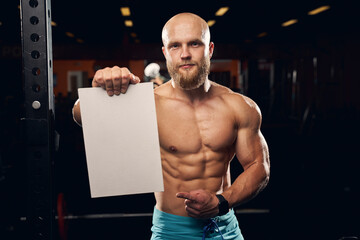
[(76, 112), (248, 184)]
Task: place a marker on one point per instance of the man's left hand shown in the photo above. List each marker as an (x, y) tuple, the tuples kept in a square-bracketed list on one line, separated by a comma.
[(200, 203)]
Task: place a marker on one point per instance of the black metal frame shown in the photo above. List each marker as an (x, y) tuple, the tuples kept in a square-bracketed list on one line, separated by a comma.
[(39, 115)]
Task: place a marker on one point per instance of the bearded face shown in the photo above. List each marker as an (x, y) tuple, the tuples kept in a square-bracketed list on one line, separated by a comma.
[(189, 78)]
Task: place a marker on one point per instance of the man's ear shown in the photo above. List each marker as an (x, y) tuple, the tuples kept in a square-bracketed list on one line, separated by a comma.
[(164, 51), (211, 49)]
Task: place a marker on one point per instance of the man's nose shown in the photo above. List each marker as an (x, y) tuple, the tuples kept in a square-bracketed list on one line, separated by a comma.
[(185, 53)]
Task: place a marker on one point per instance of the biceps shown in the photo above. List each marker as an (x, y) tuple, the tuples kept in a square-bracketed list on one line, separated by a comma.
[(251, 147)]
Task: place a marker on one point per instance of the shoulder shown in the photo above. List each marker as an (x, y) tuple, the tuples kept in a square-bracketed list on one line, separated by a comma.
[(245, 110), (236, 100), (162, 92), (163, 89)]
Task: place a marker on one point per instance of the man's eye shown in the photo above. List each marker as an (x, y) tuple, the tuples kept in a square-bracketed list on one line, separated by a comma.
[(174, 46), (195, 44)]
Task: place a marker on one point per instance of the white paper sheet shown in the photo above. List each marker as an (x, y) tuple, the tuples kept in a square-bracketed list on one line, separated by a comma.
[(121, 141)]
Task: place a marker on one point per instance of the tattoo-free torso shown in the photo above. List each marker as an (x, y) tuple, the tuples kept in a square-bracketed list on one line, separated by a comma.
[(197, 142)]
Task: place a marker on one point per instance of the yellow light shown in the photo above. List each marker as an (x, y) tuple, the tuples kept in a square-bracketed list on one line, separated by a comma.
[(1, 24), (319, 10), (54, 24), (221, 11), (128, 23), (290, 22), (69, 34), (125, 11), (79, 40), (263, 34), (211, 23), (133, 34)]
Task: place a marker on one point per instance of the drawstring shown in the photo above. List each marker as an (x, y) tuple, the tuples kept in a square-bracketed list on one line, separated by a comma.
[(210, 227)]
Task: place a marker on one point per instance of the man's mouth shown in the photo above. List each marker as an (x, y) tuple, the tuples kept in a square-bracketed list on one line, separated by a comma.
[(186, 66)]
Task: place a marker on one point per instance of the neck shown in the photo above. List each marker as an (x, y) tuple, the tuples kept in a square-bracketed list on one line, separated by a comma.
[(194, 94)]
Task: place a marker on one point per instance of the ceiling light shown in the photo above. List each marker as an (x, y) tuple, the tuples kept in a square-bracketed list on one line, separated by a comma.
[(290, 22), (125, 11), (69, 34), (221, 11), (128, 23), (319, 10), (79, 40), (211, 23), (133, 34), (54, 24), (263, 34)]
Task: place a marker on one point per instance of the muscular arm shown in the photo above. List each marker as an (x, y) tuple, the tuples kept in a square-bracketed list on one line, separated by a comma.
[(252, 153), (76, 112)]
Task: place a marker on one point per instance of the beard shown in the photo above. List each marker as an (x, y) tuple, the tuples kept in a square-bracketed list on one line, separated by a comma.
[(190, 79)]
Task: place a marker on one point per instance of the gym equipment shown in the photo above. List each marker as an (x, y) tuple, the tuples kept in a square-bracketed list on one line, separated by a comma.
[(39, 115)]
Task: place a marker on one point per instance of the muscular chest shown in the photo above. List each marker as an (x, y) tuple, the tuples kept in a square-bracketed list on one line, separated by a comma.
[(187, 129)]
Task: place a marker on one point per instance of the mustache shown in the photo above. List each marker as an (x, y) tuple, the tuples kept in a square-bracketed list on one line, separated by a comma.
[(186, 63)]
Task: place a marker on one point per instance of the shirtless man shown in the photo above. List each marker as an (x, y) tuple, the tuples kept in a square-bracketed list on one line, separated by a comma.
[(202, 125)]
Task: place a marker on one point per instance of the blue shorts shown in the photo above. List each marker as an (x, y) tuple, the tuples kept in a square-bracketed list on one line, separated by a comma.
[(173, 227)]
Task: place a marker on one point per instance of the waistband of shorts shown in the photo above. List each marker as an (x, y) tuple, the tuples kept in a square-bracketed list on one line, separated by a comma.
[(161, 216)]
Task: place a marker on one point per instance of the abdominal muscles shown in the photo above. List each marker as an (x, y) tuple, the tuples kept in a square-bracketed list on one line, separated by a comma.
[(187, 172)]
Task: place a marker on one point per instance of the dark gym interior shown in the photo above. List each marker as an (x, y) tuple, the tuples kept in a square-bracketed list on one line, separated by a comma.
[(303, 77)]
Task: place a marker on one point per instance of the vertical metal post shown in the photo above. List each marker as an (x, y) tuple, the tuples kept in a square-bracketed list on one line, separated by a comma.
[(39, 115)]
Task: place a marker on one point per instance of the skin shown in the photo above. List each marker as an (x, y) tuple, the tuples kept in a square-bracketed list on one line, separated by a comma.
[(199, 131), (157, 81)]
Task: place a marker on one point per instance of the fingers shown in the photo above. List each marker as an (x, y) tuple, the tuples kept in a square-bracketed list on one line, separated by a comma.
[(134, 79), (98, 80), (199, 213), (196, 195), (199, 203), (109, 86), (116, 76), (192, 212), (185, 195), (193, 205), (191, 201), (197, 210), (114, 80)]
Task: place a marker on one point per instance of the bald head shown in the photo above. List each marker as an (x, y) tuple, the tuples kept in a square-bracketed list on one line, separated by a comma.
[(186, 20)]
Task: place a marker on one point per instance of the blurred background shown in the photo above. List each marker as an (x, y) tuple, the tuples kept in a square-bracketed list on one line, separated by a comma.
[(299, 60)]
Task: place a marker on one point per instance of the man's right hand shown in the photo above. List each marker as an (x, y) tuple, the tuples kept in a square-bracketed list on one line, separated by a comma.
[(114, 80)]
